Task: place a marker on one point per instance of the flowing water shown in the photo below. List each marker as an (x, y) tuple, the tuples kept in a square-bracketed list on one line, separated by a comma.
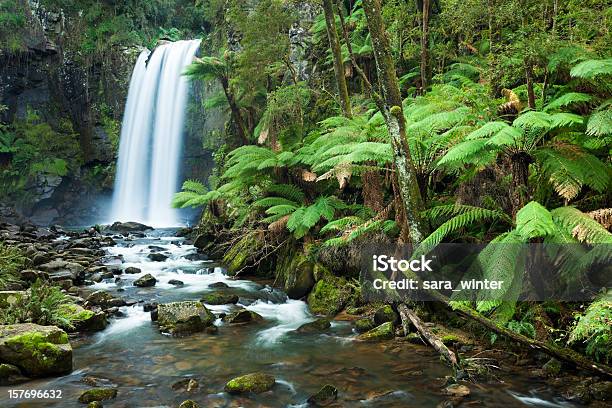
[(143, 363), (152, 136)]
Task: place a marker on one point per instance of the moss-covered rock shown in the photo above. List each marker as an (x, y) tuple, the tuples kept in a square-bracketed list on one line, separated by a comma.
[(383, 332), (386, 314), (10, 374), (317, 326), (242, 316), (184, 317), (82, 319), (297, 272), (238, 257), (98, 394), (329, 295), (95, 404), (219, 298), (365, 324), (38, 351), (552, 367), (324, 397), (254, 382)]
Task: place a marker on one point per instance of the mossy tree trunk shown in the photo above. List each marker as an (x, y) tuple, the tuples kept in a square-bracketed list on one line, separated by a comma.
[(334, 45), (235, 111), (396, 123), (424, 45)]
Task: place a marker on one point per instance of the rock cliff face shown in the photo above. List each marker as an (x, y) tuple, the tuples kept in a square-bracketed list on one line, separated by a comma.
[(49, 78)]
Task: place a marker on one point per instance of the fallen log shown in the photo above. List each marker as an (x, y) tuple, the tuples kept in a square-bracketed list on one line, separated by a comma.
[(566, 355), (433, 340)]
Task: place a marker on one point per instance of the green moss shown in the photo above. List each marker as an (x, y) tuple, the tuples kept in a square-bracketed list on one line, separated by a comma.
[(43, 349), (386, 314), (254, 382), (363, 325), (449, 339), (383, 332), (329, 296), (594, 331), (98, 394), (74, 313), (217, 298)]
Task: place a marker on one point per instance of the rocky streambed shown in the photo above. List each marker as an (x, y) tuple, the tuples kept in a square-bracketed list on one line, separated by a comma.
[(162, 326)]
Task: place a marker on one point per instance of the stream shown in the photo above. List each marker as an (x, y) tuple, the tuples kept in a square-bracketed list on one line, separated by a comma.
[(144, 363)]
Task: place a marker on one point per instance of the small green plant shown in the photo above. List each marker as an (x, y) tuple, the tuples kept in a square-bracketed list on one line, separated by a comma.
[(11, 262), (42, 304), (594, 329)]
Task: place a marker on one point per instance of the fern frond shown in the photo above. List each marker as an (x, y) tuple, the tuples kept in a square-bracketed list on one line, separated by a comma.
[(534, 221), (591, 69), (581, 226)]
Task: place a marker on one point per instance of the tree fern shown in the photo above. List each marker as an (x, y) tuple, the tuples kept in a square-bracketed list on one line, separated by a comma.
[(304, 218), (568, 99), (600, 122), (534, 221), (592, 69), (581, 226)]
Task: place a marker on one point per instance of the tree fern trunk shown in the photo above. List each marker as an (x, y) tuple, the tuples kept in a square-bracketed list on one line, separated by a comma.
[(334, 44), (396, 123), (531, 101), (235, 110)]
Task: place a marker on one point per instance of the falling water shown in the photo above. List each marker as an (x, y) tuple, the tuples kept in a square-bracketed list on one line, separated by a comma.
[(152, 136)]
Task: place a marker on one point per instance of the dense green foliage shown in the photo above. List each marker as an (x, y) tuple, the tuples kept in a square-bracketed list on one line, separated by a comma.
[(510, 139)]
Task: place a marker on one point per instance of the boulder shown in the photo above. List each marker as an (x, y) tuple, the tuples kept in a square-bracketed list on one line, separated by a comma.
[(601, 391), (130, 270), (157, 257), (127, 227), (365, 324), (457, 390), (59, 269), (176, 282), (184, 317), (254, 382), (386, 314), (83, 319), (299, 278), (98, 394), (317, 326), (327, 395), (10, 375), (329, 295), (242, 316), (38, 351), (218, 285), (104, 300), (95, 404), (383, 332), (218, 298), (145, 281)]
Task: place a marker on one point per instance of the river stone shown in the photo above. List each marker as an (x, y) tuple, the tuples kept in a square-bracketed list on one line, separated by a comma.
[(299, 278), (242, 316), (38, 351), (189, 404), (324, 397), (254, 382), (127, 227), (187, 384), (218, 285), (601, 391), (95, 404), (184, 317), (176, 282), (317, 326), (145, 281), (365, 324), (130, 270), (83, 319), (98, 394), (385, 314), (10, 375), (329, 295), (104, 300), (383, 332), (457, 390), (157, 257), (59, 269), (219, 299)]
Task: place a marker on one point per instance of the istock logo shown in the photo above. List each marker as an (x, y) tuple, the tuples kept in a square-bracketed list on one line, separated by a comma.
[(384, 263)]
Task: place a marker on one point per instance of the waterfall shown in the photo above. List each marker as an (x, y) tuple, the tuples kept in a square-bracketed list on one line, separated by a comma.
[(152, 136)]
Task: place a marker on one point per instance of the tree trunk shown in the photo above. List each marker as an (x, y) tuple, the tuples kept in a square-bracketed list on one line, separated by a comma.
[(529, 79), (425, 46), (396, 123), (235, 110), (334, 45), (519, 167)]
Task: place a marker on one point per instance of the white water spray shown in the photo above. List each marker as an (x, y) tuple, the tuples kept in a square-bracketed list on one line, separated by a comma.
[(152, 136)]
